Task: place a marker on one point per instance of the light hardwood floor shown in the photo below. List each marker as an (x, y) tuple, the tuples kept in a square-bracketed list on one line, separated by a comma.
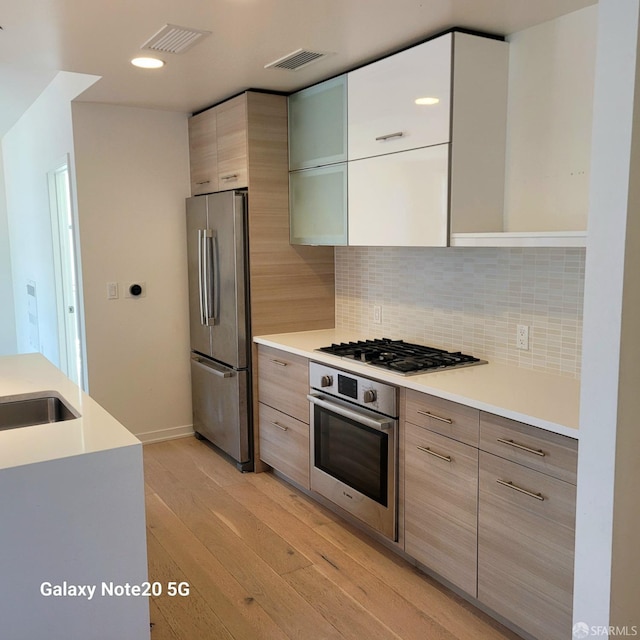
[(264, 561)]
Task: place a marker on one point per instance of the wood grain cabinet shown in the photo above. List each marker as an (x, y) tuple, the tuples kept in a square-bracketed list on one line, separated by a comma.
[(218, 147), (441, 487), (526, 525), (283, 384), (441, 501), (203, 153)]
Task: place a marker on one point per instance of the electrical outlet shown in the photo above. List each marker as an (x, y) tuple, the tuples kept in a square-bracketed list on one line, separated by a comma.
[(377, 314), (522, 337)]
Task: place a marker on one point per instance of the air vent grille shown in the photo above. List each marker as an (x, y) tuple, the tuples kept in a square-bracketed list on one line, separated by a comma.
[(174, 39), (295, 60)]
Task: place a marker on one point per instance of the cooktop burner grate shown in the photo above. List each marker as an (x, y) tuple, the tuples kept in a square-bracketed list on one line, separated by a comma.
[(400, 356)]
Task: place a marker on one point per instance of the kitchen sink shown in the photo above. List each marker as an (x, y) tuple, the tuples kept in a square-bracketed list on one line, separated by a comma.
[(33, 408)]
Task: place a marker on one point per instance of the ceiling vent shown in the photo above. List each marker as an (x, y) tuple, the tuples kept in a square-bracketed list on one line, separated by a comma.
[(296, 60), (174, 39)]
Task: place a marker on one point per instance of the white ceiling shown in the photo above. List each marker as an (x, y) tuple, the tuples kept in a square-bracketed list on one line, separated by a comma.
[(41, 37)]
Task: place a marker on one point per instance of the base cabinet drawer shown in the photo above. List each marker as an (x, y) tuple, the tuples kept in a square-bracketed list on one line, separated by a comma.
[(535, 448), (526, 530), (283, 382), (284, 444), (447, 418), (441, 500)]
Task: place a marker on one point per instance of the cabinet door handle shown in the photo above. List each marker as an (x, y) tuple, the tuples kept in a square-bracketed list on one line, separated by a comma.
[(275, 424), (511, 443), (388, 136), (434, 416), (434, 454), (231, 176), (204, 182), (510, 485), (279, 363)]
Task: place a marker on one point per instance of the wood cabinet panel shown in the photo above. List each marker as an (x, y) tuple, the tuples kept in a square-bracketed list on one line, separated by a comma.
[(535, 448), (292, 288), (448, 418), (231, 127), (441, 501), (526, 531), (283, 382), (284, 444), (203, 155)]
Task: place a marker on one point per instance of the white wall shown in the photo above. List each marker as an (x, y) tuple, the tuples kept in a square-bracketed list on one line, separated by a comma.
[(551, 76), (607, 574), (132, 170), (32, 148), (8, 344)]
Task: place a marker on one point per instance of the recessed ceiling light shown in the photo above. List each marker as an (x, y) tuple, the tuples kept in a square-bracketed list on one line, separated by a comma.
[(427, 101), (147, 63)]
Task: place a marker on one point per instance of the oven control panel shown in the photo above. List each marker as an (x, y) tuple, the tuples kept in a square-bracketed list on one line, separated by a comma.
[(373, 394)]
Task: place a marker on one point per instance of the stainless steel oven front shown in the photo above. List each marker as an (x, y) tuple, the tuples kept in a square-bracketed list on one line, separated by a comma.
[(354, 445)]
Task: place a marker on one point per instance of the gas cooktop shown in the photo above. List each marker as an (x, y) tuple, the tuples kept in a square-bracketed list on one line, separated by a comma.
[(401, 357)]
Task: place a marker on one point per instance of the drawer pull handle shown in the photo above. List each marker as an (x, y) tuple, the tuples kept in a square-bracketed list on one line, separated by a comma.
[(204, 182), (397, 134), (275, 424), (511, 443), (231, 176), (279, 363), (510, 485), (434, 454), (434, 416)]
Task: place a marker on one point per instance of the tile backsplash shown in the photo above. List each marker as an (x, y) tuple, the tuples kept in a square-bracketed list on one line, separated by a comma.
[(469, 299)]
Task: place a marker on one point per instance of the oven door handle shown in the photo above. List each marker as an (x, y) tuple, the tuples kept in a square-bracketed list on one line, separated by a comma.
[(380, 424)]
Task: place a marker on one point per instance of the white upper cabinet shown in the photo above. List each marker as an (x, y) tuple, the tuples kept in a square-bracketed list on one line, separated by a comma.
[(400, 199), (417, 171), (383, 115), (425, 134)]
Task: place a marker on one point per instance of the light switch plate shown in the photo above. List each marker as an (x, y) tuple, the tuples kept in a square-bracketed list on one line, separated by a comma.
[(112, 290)]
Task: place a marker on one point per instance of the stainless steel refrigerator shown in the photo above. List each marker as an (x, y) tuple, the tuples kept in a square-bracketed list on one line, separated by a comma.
[(218, 310)]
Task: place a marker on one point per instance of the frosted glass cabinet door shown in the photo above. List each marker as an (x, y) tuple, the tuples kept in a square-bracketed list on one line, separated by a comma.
[(400, 199), (318, 205), (318, 124), (383, 116)]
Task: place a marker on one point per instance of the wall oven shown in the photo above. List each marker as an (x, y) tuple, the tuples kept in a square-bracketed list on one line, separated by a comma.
[(354, 445)]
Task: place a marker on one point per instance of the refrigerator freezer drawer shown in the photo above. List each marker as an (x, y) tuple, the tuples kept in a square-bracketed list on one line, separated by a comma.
[(221, 406)]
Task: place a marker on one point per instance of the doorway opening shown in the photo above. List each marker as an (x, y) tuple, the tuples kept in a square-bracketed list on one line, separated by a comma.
[(66, 273)]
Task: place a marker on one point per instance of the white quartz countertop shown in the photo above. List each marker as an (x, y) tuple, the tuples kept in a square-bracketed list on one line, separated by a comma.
[(546, 401), (95, 430)]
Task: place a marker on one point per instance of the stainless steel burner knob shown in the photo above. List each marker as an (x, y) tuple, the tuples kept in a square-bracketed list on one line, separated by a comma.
[(370, 396), (326, 381)]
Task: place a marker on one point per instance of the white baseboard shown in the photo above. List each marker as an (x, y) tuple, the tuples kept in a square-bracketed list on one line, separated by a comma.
[(165, 434)]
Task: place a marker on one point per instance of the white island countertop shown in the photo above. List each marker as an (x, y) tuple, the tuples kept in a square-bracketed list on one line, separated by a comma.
[(95, 430), (546, 401)]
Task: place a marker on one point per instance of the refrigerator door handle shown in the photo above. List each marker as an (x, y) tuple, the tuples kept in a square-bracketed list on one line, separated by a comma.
[(211, 368), (216, 278), (208, 276), (201, 283)]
